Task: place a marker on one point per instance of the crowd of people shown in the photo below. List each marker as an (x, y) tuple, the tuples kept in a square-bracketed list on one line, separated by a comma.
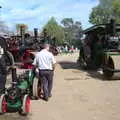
[(66, 49)]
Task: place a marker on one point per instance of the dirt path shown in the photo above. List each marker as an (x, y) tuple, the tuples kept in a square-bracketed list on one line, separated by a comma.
[(77, 95)]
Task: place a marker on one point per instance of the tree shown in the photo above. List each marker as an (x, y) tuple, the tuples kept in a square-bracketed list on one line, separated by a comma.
[(99, 15), (73, 30), (67, 22), (116, 10), (106, 10), (53, 29)]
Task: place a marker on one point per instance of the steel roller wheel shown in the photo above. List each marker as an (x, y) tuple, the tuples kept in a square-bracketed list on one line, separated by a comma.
[(3, 104)]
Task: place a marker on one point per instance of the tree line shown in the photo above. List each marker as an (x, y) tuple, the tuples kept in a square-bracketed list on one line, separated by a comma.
[(68, 32), (104, 11)]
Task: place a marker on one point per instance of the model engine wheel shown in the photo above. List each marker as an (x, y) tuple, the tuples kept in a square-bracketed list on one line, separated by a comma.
[(25, 106), (36, 88), (3, 104)]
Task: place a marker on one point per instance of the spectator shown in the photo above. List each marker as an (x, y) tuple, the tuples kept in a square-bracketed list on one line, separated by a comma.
[(45, 61)]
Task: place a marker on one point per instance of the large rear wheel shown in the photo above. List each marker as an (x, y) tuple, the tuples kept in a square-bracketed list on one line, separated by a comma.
[(9, 59), (108, 69)]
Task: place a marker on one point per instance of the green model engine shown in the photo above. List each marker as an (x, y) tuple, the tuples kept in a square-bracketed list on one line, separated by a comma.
[(17, 97)]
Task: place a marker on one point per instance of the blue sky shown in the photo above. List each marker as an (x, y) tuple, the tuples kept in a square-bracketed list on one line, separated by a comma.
[(36, 13)]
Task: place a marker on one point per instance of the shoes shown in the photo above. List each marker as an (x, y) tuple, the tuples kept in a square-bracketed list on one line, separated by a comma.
[(50, 95), (45, 98)]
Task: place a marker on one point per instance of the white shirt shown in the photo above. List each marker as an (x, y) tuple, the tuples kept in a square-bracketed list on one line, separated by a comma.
[(44, 60)]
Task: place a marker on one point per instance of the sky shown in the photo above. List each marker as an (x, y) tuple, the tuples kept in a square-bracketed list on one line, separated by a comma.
[(36, 13)]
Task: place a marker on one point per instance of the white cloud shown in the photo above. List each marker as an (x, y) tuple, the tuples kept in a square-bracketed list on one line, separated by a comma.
[(37, 12)]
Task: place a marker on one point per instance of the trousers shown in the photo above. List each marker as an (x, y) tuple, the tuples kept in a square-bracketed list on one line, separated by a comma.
[(46, 77)]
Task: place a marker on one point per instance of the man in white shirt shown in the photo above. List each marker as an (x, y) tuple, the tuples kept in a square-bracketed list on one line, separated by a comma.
[(45, 61)]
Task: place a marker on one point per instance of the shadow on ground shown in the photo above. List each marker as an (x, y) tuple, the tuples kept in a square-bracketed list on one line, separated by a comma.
[(99, 76), (69, 65), (91, 73), (13, 116)]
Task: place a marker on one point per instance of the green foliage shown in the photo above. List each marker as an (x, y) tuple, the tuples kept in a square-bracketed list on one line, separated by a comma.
[(73, 31), (116, 10), (106, 10), (67, 22), (99, 15), (53, 29), (70, 32)]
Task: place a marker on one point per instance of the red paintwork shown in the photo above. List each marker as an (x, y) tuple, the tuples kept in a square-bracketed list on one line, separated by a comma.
[(4, 105), (27, 105), (26, 57)]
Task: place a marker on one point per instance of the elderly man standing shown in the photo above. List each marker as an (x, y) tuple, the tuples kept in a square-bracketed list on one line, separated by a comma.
[(45, 61)]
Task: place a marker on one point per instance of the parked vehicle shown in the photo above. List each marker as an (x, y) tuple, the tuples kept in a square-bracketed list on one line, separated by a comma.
[(98, 48)]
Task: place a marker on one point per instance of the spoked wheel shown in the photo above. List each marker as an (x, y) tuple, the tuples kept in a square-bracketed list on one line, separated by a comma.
[(9, 59), (36, 88), (3, 104), (26, 105), (108, 69), (82, 63)]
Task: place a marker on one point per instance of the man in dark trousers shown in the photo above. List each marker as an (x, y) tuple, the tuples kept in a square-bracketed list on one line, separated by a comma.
[(45, 61)]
